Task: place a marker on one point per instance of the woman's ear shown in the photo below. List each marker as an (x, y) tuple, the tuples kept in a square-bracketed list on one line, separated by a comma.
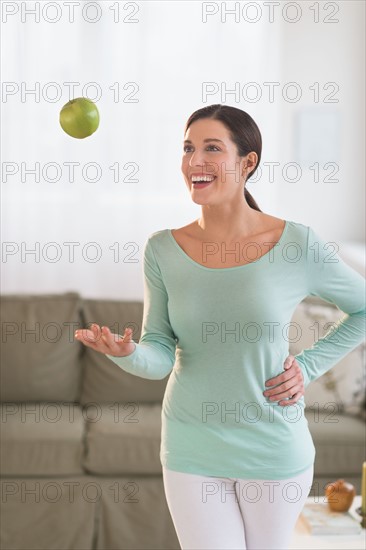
[(250, 163)]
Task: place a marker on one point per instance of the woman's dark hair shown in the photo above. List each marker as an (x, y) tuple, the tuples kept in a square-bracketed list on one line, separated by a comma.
[(243, 132)]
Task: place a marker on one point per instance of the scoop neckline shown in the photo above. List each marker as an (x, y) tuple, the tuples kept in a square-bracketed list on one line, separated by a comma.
[(235, 267)]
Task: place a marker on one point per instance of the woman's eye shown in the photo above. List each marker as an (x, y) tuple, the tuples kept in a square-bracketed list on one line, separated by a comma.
[(187, 147)]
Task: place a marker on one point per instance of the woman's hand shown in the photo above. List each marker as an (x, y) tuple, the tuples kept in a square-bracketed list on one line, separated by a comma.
[(104, 341), (291, 383)]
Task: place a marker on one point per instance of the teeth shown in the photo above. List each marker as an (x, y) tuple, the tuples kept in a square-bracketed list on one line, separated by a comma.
[(202, 178)]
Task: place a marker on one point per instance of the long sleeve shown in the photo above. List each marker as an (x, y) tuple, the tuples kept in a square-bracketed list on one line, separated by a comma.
[(330, 278), (154, 355)]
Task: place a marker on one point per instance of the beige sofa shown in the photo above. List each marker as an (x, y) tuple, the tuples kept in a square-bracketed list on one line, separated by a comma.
[(80, 465)]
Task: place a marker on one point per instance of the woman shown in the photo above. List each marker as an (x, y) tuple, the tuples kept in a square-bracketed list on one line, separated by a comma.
[(237, 457)]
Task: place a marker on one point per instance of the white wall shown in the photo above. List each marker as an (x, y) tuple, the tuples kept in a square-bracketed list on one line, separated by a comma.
[(168, 53), (327, 53)]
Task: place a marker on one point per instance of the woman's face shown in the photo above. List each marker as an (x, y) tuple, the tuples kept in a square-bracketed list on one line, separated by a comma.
[(210, 154)]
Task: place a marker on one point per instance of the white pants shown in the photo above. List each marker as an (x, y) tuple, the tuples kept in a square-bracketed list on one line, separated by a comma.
[(216, 513)]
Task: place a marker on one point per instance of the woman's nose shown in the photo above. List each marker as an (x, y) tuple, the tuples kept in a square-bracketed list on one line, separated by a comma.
[(196, 159)]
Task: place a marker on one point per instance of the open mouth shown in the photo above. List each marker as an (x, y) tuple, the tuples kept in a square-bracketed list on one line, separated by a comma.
[(205, 182)]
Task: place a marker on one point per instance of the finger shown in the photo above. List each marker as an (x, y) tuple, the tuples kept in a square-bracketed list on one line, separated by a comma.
[(115, 341), (291, 401), (291, 381), (109, 340), (278, 379), (295, 374), (281, 378), (296, 370), (110, 336), (288, 392), (289, 362), (87, 338), (127, 336), (93, 327), (96, 329), (292, 369), (92, 338)]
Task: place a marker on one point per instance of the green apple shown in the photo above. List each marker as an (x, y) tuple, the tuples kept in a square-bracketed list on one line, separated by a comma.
[(79, 118)]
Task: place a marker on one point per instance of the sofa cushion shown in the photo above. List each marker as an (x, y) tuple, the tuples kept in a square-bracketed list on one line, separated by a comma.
[(40, 360), (123, 439), (49, 513), (41, 439), (134, 514), (344, 384), (339, 440), (103, 381)]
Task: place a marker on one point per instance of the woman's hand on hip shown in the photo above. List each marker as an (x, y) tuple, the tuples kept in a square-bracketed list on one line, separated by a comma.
[(291, 384)]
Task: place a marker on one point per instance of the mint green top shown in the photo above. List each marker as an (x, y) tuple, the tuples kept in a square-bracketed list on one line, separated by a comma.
[(221, 333)]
